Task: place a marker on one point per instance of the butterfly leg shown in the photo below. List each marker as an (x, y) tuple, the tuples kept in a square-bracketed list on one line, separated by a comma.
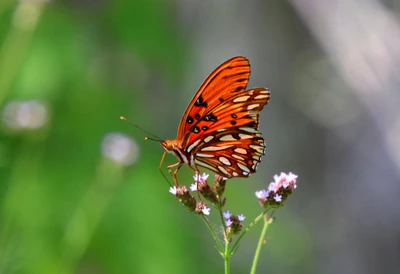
[(178, 166)]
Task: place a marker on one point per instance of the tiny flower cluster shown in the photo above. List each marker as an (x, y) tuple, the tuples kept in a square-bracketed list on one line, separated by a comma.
[(233, 223), (278, 190), (210, 193)]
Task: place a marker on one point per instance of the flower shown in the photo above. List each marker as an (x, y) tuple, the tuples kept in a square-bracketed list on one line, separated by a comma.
[(278, 198), (278, 190), (172, 190), (233, 223), (206, 210), (193, 187), (262, 194), (200, 178), (120, 148), (184, 197), (226, 214), (201, 207)]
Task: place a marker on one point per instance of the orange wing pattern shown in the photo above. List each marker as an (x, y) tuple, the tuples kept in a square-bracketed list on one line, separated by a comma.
[(229, 78), (219, 129), (231, 145)]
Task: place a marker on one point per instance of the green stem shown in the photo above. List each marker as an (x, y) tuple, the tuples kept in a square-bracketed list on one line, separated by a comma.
[(259, 245), (227, 256)]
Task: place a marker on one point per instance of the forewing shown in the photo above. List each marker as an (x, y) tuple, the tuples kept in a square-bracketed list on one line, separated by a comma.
[(238, 111), (229, 78)]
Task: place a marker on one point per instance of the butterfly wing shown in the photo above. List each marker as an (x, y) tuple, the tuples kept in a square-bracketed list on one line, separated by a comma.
[(229, 78), (226, 139), (235, 152)]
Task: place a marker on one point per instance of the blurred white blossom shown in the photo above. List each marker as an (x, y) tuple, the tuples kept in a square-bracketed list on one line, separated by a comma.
[(25, 114), (120, 148)]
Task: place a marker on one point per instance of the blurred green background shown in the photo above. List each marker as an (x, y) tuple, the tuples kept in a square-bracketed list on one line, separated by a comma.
[(80, 191)]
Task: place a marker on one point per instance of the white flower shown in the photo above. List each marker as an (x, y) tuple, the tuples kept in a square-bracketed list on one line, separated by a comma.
[(193, 187), (172, 190), (206, 210), (204, 177)]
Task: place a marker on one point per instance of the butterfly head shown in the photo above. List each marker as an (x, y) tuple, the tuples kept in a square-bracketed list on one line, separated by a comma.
[(169, 145)]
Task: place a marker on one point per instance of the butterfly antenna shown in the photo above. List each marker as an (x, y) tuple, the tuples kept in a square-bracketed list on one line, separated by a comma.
[(156, 138), (165, 177)]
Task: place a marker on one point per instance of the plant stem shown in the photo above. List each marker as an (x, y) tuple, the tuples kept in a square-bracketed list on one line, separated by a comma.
[(227, 256), (259, 245)]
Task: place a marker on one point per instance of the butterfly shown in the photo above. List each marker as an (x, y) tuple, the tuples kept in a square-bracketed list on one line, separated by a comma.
[(219, 129)]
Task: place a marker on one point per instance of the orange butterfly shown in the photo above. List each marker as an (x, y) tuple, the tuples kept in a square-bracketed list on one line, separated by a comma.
[(219, 129)]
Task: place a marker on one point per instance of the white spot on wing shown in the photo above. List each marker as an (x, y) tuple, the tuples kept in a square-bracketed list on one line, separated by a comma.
[(202, 164), (243, 167), (204, 155), (208, 139), (253, 106), (241, 99), (238, 157), (224, 160), (215, 148), (192, 146), (264, 91), (245, 136), (235, 174), (258, 149), (249, 129), (227, 138), (240, 150), (261, 96)]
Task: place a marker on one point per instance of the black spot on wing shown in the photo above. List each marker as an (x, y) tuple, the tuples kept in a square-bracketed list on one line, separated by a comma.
[(210, 117), (200, 102)]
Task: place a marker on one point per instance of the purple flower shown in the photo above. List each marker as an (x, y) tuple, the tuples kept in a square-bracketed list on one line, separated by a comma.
[(278, 198), (228, 222), (262, 194), (241, 217), (226, 214)]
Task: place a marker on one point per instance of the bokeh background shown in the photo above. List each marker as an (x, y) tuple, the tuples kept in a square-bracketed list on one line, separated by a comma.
[(80, 190)]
